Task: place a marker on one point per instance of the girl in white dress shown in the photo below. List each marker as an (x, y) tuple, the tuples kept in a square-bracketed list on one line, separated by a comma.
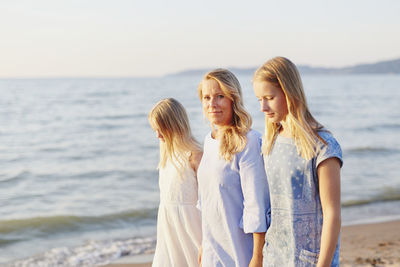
[(179, 221)]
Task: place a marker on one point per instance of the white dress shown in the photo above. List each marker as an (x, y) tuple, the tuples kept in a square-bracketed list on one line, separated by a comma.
[(179, 220)]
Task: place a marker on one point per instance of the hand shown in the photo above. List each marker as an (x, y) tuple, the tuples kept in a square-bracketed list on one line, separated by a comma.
[(255, 261), (199, 255)]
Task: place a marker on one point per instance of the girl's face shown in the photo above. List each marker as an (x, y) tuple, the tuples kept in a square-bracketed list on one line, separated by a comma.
[(272, 100), (216, 106), (159, 135)]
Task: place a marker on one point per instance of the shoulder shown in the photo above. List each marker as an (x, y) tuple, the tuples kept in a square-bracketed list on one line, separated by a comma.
[(194, 159), (329, 139), (208, 137), (254, 136), (254, 142), (330, 149), (195, 156)]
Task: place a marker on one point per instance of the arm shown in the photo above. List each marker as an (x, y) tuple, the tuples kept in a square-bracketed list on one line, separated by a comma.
[(255, 197), (258, 244), (195, 159), (200, 253), (254, 187), (329, 185)]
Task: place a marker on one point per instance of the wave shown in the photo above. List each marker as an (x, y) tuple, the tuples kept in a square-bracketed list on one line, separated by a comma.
[(378, 127), (43, 226), (389, 194), (111, 117), (92, 253), (390, 126), (107, 93), (368, 149), (14, 178), (103, 173), (9, 241), (105, 126)]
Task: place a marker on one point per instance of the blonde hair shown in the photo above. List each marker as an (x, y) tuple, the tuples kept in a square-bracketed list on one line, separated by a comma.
[(232, 137), (169, 117), (304, 128)]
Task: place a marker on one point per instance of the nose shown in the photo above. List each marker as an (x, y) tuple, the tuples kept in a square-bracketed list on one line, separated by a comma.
[(264, 105), (213, 102), (160, 136)]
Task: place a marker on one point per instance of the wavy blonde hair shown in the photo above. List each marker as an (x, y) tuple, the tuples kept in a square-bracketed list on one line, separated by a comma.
[(304, 128), (232, 137), (169, 117)]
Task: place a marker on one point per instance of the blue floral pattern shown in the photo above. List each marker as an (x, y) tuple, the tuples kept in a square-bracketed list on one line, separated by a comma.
[(293, 238)]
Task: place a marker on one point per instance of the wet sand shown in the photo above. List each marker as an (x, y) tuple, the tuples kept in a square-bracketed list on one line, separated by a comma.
[(376, 244)]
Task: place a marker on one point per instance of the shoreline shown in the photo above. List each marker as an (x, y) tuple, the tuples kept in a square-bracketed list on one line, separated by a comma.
[(370, 244)]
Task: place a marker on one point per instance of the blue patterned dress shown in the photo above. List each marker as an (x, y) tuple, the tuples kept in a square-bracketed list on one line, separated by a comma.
[(294, 236)]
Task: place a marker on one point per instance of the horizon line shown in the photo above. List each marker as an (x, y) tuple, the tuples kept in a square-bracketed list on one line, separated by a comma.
[(27, 77)]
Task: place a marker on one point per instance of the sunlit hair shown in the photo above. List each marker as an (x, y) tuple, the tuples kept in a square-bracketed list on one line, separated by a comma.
[(282, 73), (169, 117), (232, 137)]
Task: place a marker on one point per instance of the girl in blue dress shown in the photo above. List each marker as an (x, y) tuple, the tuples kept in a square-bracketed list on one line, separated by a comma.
[(302, 162), (233, 188)]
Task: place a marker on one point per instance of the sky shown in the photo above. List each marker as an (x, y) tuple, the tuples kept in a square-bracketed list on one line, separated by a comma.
[(119, 38)]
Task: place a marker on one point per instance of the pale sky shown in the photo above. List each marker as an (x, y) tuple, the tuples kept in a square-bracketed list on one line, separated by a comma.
[(54, 38)]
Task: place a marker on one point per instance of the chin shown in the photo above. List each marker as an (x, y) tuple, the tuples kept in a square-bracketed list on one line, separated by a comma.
[(273, 120)]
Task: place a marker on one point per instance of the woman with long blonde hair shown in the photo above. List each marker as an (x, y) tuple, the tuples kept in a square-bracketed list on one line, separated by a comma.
[(178, 221), (302, 161), (233, 187)]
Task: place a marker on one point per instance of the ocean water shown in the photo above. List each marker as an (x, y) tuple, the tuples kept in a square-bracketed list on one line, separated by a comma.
[(78, 178)]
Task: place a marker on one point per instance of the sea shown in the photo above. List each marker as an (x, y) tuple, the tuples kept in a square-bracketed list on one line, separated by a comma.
[(78, 159)]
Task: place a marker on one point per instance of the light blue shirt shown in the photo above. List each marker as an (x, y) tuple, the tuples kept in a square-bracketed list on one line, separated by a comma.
[(234, 201), (294, 236)]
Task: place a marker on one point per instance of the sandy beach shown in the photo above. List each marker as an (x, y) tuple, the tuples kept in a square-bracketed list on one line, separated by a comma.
[(371, 244), (375, 244)]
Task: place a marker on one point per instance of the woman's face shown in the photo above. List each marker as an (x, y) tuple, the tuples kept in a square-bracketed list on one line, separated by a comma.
[(216, 106), (272, 100)]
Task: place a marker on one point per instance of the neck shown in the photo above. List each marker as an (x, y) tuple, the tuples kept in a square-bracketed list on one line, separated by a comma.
[(214, 130), (214, 133), (284, 130)]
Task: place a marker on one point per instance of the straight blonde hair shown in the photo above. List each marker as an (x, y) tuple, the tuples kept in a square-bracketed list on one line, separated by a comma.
[(232, 137), (169, 117), (304, 128)]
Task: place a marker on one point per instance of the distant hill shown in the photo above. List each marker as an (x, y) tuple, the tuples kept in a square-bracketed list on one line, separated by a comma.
[(382, 67)]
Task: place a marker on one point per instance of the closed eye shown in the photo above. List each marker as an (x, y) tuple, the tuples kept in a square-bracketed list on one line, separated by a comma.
[(265, 98)]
